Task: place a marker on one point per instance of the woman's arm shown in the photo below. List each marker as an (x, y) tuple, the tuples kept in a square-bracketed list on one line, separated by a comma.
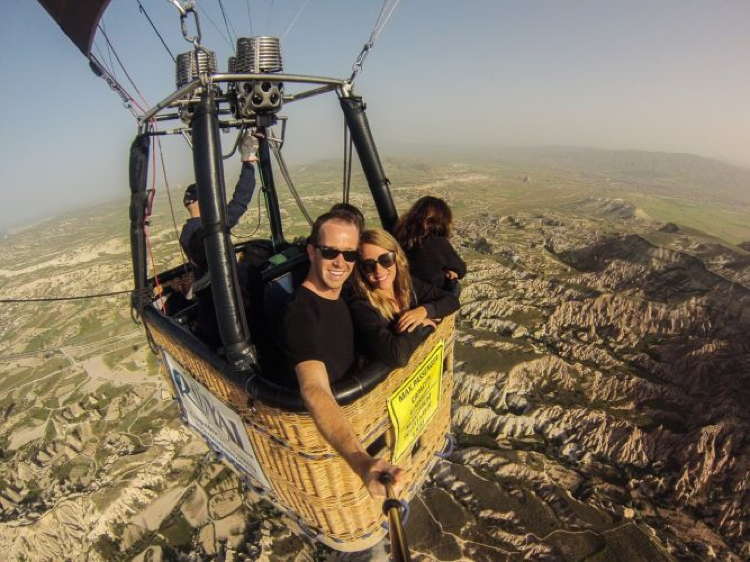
[(376, 339), (451, 260), (437, 302)]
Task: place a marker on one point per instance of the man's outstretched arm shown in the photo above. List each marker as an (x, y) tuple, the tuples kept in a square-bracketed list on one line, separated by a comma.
[(337, 429), (243, 193)]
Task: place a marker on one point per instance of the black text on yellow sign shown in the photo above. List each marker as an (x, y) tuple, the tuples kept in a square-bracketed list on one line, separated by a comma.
[(415, 402)]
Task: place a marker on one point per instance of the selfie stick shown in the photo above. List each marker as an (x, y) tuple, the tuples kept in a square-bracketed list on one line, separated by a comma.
[(392, 509)]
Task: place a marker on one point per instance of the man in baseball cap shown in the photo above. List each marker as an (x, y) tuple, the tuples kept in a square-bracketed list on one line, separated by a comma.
[(191, 239), (191, 196)]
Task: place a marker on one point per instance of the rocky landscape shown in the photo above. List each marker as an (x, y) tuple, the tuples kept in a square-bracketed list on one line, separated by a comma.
[(600, 408)]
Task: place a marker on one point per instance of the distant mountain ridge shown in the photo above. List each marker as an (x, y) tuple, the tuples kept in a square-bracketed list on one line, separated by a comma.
[(690, 173), (697, 171), (662, 173)]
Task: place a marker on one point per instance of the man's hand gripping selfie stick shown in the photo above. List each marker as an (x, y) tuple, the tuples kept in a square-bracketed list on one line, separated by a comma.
[(392, 509)]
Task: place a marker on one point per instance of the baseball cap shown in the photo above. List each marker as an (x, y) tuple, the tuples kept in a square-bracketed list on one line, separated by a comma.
[(191, 194)]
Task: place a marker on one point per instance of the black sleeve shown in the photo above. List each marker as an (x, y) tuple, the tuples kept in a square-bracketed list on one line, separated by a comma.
[(451, 259), (243, 193), (438, 303), (376, 340), (188, 229)]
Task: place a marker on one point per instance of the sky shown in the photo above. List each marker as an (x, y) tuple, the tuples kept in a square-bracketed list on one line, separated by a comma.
[(671, 76)]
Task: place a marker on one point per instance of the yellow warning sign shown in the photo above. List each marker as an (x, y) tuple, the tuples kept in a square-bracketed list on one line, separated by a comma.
[(415, 402)]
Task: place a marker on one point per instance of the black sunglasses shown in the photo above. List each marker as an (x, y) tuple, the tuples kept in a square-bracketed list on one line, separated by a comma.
[(386, 260), (329, 253)]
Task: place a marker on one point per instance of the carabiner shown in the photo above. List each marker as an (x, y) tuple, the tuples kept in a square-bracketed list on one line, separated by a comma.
[(195, 39)]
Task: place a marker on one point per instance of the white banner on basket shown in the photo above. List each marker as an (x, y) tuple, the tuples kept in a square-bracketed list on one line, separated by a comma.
[(217, 423)]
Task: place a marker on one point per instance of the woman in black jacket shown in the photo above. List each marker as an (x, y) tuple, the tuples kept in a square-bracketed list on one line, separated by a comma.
[(392, 312), (424, 233)]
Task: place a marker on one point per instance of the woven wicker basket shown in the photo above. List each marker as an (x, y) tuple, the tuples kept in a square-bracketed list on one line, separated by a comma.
[(308, 479)]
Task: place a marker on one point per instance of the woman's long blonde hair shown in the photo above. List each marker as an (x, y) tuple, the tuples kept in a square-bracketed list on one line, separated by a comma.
[(401, 285)]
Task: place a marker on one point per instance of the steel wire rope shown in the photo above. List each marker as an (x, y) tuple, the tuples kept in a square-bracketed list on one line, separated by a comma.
[(112, 75), (269, 17), (249, 19), (147, 225), (236, 143), (274, 144), (66, 298), (101, 56), (257, 226), (109, 75), (169, 197), (226, 22), (383, 17), (101, 70), (218, 29), (115, 340), (386, 11), (125, 71), (111, 67), (153, 26), (347, 176), (104, 341), (65, 346), (111, 63), (294, 19)]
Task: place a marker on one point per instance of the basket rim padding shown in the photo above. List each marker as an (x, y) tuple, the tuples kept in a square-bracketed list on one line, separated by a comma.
[(345, 391)]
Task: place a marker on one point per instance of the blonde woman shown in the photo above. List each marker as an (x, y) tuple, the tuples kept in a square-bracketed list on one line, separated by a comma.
[(392, 311)]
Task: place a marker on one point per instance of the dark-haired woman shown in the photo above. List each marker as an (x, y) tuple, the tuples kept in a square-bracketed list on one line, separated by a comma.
[(391, 307), (423, 232)]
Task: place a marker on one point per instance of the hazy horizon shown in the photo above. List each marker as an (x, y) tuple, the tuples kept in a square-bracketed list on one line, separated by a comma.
[(430, 154), (665, 78)]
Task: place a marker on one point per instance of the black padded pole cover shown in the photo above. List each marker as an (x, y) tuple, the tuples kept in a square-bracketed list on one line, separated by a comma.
[(359, 127), (139, 152), (269, 190), (209, 177)]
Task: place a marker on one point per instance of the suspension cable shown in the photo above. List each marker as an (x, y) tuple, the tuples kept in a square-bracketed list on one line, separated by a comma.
[(145, 13), (269, 19), (102, 72), (169, 197), (188, 139), (385, 14), (210, 19), (111, 66), (236, 143), (67, 298), (294, 19), (347, 176), (117, 57), (101, 56), (249, 19), (69, 346), (226, 22), (274, 144), (257, 226), (147, 223), (386, 11)]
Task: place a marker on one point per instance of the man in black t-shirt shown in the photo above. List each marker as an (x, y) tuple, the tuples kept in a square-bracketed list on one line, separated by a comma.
[(320, 340)]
